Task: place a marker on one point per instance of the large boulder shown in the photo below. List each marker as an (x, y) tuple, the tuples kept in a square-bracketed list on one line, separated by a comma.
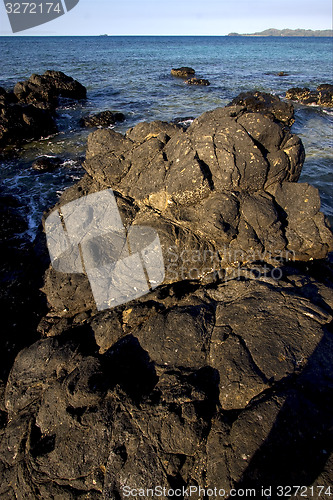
[(219, 377), (198, 81), (220, 195), (28, 113), (21, 301), (190, 387)]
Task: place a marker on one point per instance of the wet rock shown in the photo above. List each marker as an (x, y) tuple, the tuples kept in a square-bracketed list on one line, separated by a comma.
[(220, 194), (325, 95), (190, 392), (20, 123), (28, 113), (103, 119), (219, 377), (183, 72), (322, 96), (20, 277), (46, 163), (267, 104), (44, 90), (198, 81)]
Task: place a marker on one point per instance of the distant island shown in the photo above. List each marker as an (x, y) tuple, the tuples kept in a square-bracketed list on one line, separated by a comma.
[(287, 32)]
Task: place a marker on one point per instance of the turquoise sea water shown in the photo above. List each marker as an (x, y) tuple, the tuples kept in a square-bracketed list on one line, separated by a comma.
[(132, 75)]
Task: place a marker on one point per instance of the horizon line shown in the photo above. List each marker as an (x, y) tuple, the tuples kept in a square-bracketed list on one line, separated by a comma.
[(157, 34)]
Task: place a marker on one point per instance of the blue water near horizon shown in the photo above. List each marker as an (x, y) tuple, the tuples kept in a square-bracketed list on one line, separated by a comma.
[(132, 75)]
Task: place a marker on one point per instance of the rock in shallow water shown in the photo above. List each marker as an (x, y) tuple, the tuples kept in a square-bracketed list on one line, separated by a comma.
[(211, 379), (322, 96), (28, 113), (198, 81), (44, 90), (103, 119), (183, 72)]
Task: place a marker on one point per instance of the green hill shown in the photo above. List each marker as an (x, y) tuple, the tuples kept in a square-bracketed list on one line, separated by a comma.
[(287, 32)]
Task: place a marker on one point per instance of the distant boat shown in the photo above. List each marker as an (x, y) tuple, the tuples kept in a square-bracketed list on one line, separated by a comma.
[(103, 35)]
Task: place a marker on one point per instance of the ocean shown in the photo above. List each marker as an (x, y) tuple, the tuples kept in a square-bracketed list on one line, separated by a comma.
[(132, 75)]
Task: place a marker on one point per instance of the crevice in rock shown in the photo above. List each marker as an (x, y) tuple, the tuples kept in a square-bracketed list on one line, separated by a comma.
[(206, 172), (76, 412), (255, 367), (40, 444)]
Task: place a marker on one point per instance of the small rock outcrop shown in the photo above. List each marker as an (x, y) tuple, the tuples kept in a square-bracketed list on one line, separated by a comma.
[(219, 377), (23, 122), (198, 81), (46, 163), (43, 90), (183, 72), (28, 113), (103, 119), (268, 105), (322, 96)]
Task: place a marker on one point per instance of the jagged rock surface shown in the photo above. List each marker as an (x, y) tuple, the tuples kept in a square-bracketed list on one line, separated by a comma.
[(43, 90), (28, 113), (322, 96), (22, 122), (183, 72), (188, 386)]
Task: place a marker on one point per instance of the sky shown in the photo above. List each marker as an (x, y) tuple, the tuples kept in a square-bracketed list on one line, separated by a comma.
[(181, 17)]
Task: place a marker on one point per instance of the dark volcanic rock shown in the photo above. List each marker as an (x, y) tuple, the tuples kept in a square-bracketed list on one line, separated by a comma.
[(43, 90), (103, 119), (23, 123), (183, 72), (184, 122), (267, 104), (28, 113), (222, 375), (197, 81), (221, 194), (323, 96)]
